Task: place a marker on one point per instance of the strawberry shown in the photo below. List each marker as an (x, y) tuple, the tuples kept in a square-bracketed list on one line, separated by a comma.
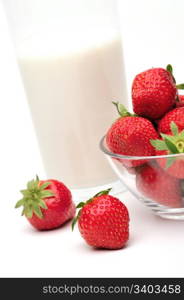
[(175, 167), (154, 92), (46, 204), (103, 221), (180, 102), (171, 144), (176, 115), (130, 135), (155, 184)]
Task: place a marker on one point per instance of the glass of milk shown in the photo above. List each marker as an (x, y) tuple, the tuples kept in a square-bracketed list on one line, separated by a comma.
[(70, 57)]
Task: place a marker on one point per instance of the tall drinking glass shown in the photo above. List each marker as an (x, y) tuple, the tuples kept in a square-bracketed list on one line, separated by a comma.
[(70, 57)]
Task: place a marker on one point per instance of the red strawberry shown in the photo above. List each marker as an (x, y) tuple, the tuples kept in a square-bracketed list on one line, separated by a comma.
[(47, 204), (171, 144), (130, 135), (180, 102), (176, 115), (154, 92), (157, 185), (103, 221), (176, 168)]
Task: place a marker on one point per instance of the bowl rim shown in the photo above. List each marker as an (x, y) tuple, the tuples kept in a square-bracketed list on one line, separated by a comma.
[(115, 155)]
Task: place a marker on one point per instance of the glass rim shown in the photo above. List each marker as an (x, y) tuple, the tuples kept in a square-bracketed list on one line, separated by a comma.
[(120, 156)]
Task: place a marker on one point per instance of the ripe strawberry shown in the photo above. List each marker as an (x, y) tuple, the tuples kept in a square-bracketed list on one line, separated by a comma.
[(154, 92), (103, 221), (171, 144), (157, 185), (47, 204), (180, 102), (130, 135), (175, 167), (176, 115)]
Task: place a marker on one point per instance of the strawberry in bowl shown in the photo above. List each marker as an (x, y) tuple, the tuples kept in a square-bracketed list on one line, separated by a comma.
[(130, 136), (172, 146), (180, 102), (159, 186), (175, 115), (154, 92), (154, 175)]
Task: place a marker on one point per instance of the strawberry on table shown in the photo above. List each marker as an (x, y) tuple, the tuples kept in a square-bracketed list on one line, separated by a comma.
[(171, 144), (130, 135), (47, 204), (154, 92), (103, 221), (155, 184)]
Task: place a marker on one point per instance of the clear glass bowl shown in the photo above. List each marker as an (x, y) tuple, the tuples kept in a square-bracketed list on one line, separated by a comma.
[(149, 179)]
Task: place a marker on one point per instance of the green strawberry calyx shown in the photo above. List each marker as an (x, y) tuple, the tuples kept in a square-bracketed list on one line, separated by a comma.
[(173, 144), (82, 204), (169, 68), (33, 198), (122, 111)]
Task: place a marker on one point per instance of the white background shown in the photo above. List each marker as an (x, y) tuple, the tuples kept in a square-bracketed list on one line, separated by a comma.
[(152, 33)]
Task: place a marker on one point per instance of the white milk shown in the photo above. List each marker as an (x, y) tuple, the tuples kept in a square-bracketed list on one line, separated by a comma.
[(70, 87)]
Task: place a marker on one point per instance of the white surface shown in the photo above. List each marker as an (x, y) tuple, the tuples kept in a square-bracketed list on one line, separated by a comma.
[(156, 246)]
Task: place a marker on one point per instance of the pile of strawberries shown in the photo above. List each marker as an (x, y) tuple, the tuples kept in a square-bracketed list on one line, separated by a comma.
[(155, 128)]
